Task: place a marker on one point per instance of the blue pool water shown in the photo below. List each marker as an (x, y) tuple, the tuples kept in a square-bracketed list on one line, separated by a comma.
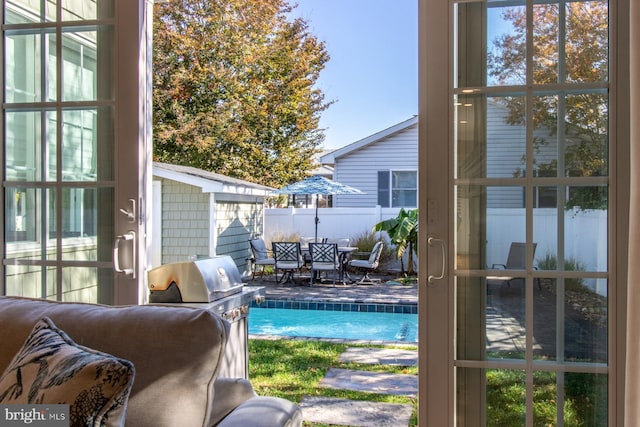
[(353, 325)]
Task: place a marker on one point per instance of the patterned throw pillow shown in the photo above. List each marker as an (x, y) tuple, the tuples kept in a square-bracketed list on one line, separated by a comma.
[(52, 369)]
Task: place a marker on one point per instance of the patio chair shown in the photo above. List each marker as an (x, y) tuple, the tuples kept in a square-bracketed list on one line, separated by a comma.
[(368, 265), (304, 246), (260, 257), (324, 257), (340, 242), (288, 258), (515, 261)]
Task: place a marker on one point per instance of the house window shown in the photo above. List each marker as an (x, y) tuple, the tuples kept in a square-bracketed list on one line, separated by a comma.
[(398, 189)]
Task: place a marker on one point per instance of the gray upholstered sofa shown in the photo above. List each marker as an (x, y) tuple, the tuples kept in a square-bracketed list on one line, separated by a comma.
[(176, 353)]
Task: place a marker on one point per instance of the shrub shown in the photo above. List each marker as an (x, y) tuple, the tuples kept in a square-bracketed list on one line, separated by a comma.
[(549, 262)]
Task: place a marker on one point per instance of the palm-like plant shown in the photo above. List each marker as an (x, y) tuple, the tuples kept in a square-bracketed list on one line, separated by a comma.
[(403, 233)]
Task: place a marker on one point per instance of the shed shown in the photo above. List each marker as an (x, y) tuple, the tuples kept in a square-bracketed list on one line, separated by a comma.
[(203, 214)]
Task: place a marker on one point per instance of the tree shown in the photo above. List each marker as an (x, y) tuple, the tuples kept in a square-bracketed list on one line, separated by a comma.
[(403, 233), (234, 89), (584, 121)]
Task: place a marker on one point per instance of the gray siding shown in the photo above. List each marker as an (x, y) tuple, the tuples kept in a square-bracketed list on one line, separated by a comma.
[(505, 156), (236, 223), (360, 168), (185, 222)]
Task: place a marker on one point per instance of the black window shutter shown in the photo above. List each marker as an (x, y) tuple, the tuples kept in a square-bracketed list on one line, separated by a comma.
[(383, 189)]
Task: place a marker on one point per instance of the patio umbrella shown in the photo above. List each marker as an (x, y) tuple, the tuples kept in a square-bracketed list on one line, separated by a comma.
[(317, 185)]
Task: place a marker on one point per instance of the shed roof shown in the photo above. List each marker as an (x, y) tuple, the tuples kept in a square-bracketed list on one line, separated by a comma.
[(331, 157), (209, 182)]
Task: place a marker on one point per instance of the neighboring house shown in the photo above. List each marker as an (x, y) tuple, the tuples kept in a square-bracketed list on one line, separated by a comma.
[(384, 166), (204, 214)]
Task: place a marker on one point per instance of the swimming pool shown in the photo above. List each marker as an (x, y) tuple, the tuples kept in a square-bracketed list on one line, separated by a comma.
[(384, 325)]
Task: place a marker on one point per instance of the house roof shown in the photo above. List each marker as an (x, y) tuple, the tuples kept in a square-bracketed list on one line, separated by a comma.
[(331, 157), (209, 182), (322, 169)]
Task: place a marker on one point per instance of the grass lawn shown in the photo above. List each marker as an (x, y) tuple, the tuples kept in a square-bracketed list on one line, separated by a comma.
[(292, 369)]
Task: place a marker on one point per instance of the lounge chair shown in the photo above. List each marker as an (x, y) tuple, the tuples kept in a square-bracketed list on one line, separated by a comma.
[(288, 258), (516, 260), (324, 257), (260, 257), (368, 265)]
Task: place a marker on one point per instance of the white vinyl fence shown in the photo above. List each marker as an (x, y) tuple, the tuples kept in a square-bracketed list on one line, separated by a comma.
[(583, 232)]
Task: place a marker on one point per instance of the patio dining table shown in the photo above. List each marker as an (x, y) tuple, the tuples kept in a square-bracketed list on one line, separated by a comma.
[(343, 256), (343, 259)]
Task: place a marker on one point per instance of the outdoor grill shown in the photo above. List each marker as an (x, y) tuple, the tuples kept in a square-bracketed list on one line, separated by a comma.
[(214, 284)]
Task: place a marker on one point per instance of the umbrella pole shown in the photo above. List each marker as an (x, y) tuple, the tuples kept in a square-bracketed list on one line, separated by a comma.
[(317, 220)]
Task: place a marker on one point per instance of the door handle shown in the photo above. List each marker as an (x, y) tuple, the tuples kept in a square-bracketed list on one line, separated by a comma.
[(131, 212), (129, 236), (432, 241)]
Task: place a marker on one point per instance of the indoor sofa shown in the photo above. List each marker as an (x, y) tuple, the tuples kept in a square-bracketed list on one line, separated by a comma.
[(166, 360)]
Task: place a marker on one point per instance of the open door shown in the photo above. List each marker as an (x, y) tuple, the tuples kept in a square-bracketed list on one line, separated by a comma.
[(76, 127), (516, 145)]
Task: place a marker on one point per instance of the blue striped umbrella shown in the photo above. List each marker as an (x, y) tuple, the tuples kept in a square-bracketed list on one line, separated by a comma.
[(317, 185)]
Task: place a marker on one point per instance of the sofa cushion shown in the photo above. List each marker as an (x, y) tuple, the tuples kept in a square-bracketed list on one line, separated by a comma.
[(51, 368), (176, 351)]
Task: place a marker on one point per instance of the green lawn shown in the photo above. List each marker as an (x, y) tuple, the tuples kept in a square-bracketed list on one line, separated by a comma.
[(292, 369)]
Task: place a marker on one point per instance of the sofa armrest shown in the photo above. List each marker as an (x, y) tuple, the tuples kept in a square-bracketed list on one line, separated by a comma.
[(229, 394), (260, 411)]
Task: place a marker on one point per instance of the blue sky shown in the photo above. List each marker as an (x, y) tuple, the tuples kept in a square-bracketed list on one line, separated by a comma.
[(373, 71)]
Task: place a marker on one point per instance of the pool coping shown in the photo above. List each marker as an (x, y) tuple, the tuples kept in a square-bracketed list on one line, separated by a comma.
[(339, 304)]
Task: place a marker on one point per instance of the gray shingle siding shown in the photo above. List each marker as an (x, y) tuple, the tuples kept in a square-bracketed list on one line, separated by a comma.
[(185, 222)]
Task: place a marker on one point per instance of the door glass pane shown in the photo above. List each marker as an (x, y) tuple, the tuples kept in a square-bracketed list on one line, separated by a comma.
[(87, 75), (31, 66), (491, 136), (26, 11), (545, 42), (586, 135), (86, 10), (79, 145), (531, 222), (587, 41), (24, 146), (30, 281), (505, 38), (505, 390), (84, 226)]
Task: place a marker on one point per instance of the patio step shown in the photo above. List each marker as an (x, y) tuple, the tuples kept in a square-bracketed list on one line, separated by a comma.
[(328, 410), (363, 413), (380, 356), (371, 382)]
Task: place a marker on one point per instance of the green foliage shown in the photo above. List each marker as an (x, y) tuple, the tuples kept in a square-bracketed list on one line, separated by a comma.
[(403, 233), (234, 89), (365, 242), (584, 120), (584, 402), (549, 262)]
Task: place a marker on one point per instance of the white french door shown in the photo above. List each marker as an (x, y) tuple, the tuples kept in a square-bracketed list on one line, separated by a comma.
[(517, 156), (75, 125)]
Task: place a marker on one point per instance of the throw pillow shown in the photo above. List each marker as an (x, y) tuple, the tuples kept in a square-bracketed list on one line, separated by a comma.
[(50, 368)]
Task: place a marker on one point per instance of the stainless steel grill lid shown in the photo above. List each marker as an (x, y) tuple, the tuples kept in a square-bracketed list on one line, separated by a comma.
[(203, 280)]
